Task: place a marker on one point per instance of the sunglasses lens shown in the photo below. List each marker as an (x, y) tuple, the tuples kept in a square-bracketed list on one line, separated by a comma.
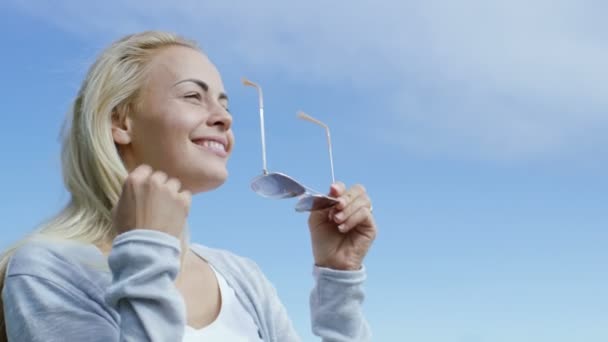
[(276, 185), (315, 202)]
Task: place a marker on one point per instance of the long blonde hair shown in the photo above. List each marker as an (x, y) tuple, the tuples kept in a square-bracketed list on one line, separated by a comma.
[(93, 171)]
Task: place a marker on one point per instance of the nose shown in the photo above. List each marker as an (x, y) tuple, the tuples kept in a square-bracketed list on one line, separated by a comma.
[(220, 117)]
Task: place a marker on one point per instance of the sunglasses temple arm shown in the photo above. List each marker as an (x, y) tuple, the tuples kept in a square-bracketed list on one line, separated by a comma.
[(248, 83), (331, 157), (309, 118), (261, 100)]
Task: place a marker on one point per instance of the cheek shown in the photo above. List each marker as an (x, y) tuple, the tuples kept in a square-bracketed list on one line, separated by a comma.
[(177, 121), (164, 132), (178, 126)]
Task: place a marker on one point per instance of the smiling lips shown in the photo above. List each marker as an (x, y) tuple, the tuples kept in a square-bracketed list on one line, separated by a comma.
[(217, 146)]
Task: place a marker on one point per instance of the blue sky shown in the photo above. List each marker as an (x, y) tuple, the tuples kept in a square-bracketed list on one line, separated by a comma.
[(477, 127)]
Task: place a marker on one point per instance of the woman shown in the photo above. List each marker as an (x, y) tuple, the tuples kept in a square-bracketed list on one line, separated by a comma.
[(150, 126)]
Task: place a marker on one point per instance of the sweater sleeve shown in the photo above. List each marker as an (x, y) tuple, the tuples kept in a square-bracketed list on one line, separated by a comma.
[(336, 306), (141, 303), (335, 301)]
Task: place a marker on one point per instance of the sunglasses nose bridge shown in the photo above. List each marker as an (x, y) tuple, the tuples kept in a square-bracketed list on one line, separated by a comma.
[(311, 202)]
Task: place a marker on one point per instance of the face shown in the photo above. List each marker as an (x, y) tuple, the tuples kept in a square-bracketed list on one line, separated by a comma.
[(181, 124)]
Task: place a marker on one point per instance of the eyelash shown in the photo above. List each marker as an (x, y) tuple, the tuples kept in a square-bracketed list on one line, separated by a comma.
[(199, 97), (194, 95)]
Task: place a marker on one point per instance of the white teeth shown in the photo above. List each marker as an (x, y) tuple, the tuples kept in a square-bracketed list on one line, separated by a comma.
[(214, 145)]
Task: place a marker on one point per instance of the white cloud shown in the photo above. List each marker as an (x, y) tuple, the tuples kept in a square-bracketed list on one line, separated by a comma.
[(499, 79)]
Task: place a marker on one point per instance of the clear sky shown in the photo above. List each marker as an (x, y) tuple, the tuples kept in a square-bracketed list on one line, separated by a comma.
[(478, 128)]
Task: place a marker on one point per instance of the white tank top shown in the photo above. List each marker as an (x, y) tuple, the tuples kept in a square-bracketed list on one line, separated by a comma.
[(233, 323)]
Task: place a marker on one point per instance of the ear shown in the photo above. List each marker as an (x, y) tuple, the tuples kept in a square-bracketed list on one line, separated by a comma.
[(121, 126)]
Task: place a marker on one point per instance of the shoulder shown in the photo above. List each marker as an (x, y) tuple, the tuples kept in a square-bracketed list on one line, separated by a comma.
[(243, 274), (52, 283), (239, 271), (224, 259), (58, 261)]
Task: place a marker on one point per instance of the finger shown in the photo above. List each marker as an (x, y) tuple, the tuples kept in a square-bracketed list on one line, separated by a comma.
[(174, 185), (139, 174), (142, 169), (158, 178), (362, 215), (337, 189), (342, 215), (332, 213), (349, 196), (186, 198)]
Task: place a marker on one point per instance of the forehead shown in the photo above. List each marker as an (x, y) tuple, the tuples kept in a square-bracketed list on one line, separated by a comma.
[(176, 63)]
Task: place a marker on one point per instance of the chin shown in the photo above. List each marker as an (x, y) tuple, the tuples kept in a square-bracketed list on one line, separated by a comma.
[(207, 182), (202, 174)]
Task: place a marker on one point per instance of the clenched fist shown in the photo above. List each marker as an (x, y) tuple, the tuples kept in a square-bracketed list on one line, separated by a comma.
[(152, 200)]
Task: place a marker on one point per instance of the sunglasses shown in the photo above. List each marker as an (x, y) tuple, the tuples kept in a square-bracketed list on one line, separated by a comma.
[(276, 185)]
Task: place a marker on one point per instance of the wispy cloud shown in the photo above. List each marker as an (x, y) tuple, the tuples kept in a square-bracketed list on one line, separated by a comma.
[(501, 79)]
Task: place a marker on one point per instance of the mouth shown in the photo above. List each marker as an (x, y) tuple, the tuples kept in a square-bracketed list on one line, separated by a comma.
[(215, 145)]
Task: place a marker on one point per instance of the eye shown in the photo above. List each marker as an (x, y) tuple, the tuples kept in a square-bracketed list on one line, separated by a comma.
[(196, 96), (224, 105)]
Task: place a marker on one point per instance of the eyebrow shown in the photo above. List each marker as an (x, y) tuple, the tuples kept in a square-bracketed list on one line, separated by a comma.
[(203, 86)]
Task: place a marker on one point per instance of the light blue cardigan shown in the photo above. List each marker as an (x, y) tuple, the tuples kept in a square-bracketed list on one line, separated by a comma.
[(64, 291)]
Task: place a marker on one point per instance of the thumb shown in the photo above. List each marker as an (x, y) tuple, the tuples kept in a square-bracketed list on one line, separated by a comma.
[(337, 189)]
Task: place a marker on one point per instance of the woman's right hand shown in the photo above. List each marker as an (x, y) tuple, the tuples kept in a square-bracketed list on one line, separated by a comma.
[(152, 200)]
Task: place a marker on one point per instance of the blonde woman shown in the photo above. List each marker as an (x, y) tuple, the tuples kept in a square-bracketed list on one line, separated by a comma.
[(150, 127)]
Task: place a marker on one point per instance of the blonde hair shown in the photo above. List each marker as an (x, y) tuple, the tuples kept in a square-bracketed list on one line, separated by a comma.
[(93, 171)]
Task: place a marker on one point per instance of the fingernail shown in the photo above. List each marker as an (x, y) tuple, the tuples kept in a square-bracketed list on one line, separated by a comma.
[(339, 216), (341, 227)]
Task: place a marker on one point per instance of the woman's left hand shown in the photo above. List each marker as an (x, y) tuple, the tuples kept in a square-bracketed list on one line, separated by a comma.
[(342, 235)]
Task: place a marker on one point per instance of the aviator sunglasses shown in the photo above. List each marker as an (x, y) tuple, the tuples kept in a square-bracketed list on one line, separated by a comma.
[(277, 185)]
